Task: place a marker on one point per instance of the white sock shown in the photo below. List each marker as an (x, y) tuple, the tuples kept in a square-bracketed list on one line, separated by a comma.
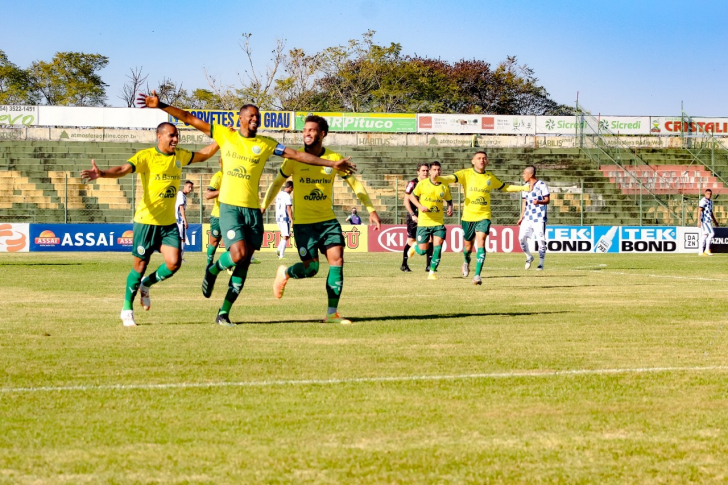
[(282, 247)]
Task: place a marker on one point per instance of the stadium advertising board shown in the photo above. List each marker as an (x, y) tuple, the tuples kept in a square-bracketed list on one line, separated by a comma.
[(618, 239), (391, 238), (100, 117), (568, 125), (476, 124), (11, 115), (719, 243), (666, 125), (14, 238), (364, 122), (269, 120), (356, 238), (95, 237)]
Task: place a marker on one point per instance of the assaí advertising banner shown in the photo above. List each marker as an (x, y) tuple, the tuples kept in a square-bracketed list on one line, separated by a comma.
[(364, 122), (391, 238), (95, 237), (269, 120)]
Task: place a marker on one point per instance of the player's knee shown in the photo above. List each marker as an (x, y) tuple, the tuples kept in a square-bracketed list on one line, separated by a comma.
[(311, 270)]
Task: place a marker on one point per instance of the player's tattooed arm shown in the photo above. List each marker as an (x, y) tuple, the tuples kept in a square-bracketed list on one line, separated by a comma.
[(449, 208), (110, 173)]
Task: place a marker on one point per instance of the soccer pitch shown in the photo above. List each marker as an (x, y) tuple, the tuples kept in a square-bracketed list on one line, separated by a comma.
[(603, 368)]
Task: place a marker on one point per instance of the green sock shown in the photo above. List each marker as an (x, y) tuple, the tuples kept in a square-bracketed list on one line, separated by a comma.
[(334, 285), (480, 255), (419, 251), (161, 274), (132, 286), (210, 253), (223, 262), (297, 271), (235, 286), (435, 258), (466, 255)]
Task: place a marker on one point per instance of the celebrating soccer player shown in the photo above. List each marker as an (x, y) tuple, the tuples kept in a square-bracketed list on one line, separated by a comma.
[(155, 222), (429, 197), (477, 184), (533, 216), (423, 169), (315, 226), (244, 155), (706, 219)]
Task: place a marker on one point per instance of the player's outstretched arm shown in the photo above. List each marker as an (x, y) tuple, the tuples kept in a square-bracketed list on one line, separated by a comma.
[(361, 194), (110, 173), (447, 179), (152, 101), (206, 153), (515, 188), (344, 165), (272, 191)]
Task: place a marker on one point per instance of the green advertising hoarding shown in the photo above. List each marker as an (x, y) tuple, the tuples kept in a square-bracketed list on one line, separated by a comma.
[(364, 122)]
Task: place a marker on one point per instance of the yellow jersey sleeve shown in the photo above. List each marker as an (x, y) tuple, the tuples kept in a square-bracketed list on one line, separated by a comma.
[(215, 183), (418, 190), (140, 161), (448, 195)]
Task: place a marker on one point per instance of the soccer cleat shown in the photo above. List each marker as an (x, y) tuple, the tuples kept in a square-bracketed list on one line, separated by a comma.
[(477, 280), (528, 263), (254, 261), (411, 252), (127, 318), (224, 320), (432, 276), (278, 253), (702, 254), (466, 269), (208, 283), (539, 267), (279, 285), (708, 253), (405, 268), (336, 318), (144, 297)]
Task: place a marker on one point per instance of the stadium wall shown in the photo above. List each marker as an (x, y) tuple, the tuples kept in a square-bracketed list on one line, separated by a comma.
[(391, 238)]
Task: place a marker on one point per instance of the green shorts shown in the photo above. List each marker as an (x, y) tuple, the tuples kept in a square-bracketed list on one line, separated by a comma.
[(215, 227), (149, 238), (319, 236), (241, 224), (470, 228), (424, 233)]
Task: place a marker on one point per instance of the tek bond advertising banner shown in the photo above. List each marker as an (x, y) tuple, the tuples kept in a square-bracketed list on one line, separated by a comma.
[(621, 239), (364, 122), (356, 238), (95, 237), (14, 238), (392, 238), (269, 120), (476, 124)]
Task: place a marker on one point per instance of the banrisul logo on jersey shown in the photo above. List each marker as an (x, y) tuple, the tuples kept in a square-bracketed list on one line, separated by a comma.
[(648, 239), (170, 193), (239, 172), (315, 195), (569, 239)]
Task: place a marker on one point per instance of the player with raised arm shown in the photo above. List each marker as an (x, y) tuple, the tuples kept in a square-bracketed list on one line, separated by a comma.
[(423, 170), (315, 226), (244, 155), (534, 216), (429, 197), (706, 220), (155, 224), (180, 209), (477, 184), (284, 217)]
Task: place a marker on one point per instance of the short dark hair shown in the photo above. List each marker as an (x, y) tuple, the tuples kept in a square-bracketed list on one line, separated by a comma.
[(481, 151), (246, 106), (288, 184), (532, 168), (708, 190), (161, 126), (189, 182), (435, 164), (320, 121), (423, 164)]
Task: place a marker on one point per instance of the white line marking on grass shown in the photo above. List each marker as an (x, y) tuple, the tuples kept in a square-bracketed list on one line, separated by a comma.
[(359, 380), (661, 276)]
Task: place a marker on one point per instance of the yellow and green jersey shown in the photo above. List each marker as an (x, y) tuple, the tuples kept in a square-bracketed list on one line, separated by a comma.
[(313, 188), (477, 187), (160, 174), (243, 160), (433, 196), (215, 183)]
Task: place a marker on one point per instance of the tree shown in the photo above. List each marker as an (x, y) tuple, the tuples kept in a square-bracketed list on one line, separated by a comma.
[(16, 86), (71, 79), (133, 86)]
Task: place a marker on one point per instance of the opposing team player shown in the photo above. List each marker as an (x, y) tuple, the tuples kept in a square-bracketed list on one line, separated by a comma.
[(315, 226), (284, 217), (244, 155), (429, 197), (155, 224), (534, 216), (477, 184), (423, 170), (706, 220), (180, 209)]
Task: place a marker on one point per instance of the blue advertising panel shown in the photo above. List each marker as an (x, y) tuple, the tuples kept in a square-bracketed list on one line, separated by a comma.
[(570, 239), (95, 237)]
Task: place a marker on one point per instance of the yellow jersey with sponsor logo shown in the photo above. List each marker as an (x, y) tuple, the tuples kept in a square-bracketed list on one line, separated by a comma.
[(160, 174), (215, 183), (243, 160), (477, 187), (313, 189), (432, 196)]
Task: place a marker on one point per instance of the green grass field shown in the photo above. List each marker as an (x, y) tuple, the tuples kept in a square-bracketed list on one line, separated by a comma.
[(603, 368)]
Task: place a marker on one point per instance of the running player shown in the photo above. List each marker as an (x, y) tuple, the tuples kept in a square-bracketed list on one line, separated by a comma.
[(316, 228), (706, 220), (180, 208), (429, 197), (155, 227), (212, 192), (244, 155), (477, 184), (284, 217), (423, 169), (533, 216)]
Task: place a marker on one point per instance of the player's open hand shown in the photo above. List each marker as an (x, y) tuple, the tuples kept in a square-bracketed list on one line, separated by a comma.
[(345, 166), (374, 220), (89, 175), (148, 101), (449, 211), (424, 209)]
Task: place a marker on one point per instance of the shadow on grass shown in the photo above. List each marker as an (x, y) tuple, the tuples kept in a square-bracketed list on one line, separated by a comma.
[(42, 264)]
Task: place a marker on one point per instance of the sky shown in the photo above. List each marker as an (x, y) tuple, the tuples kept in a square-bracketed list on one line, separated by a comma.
[(637, 57)]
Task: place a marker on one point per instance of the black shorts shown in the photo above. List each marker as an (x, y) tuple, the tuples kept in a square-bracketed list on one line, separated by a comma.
[(411, 228)]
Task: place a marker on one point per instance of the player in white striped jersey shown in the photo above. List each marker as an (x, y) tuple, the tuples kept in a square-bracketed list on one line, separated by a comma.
[(534, 216), (706, 220), (284, 216), (180, 208)]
